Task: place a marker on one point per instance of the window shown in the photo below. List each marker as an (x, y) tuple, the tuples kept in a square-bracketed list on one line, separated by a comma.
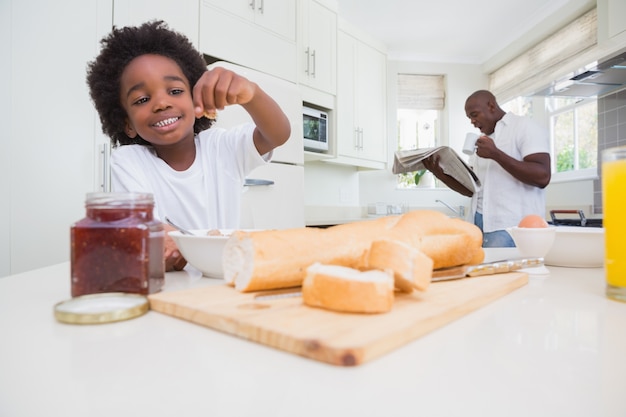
[(521, 106), (574, 136), (420, 101), (573, 126)]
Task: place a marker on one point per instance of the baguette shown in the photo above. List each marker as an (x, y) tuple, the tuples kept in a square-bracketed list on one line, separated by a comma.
[(412, 269), (274, 259), (347, 290)]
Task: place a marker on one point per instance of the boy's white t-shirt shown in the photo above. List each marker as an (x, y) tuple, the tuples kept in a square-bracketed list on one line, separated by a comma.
[(205, 196)]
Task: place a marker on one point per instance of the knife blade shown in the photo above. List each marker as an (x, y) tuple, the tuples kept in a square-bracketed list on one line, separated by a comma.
[(491, 268), (278, 294), (444, 274)]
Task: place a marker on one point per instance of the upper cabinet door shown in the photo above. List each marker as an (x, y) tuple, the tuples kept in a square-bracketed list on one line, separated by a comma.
[(181, 15), (278, 16), (361, 103), (241, 8), (263, 37), (317, 47)]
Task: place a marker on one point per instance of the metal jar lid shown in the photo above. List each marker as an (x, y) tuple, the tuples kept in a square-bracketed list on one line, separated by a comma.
[(101, 308)]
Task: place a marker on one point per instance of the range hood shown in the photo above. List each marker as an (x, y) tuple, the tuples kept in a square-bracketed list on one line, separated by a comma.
[(594, 80)]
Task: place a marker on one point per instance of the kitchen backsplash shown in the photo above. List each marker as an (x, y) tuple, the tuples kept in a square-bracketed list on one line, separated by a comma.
[(611, 133)]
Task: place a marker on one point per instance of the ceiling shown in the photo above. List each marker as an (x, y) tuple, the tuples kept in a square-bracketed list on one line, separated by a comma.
[(460, 31)]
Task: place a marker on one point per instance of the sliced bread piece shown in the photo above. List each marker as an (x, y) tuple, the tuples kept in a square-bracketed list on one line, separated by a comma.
[(348, 290)]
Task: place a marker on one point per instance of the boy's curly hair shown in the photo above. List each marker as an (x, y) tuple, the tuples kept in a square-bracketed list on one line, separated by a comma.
[(120, 47)]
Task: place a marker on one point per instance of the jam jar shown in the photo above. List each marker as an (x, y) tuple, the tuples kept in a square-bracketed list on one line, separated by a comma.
[(118, 246)]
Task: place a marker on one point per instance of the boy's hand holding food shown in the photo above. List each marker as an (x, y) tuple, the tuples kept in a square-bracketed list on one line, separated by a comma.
[(219, 88)]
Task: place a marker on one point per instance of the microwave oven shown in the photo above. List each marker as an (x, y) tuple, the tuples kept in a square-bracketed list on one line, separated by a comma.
[(315, 129)]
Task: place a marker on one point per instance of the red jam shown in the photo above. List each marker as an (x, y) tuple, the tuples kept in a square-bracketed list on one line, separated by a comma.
[(118, 247)]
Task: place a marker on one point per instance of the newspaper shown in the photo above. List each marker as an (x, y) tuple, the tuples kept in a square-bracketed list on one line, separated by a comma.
[(449, 161)]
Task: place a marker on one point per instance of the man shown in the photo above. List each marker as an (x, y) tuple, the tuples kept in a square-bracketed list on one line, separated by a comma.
[(512, 162)]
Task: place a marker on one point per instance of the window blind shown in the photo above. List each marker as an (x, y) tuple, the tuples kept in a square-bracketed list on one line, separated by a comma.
[(421, 92), (554, 51)]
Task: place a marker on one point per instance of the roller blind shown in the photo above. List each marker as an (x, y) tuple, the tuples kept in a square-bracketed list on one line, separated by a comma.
[(556, 50), (421, 92)]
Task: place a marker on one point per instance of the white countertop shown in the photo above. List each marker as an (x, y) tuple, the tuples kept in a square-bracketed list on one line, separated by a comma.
[(555, 347)]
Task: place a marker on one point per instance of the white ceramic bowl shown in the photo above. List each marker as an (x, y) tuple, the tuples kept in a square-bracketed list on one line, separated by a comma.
[(202, 251), (533, 242), (578, 247)]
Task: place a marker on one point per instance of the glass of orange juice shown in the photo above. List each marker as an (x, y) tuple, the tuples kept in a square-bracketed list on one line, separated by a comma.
[(614, 221)]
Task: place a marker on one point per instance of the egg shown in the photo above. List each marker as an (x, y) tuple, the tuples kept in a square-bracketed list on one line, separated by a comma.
[(533, 221)]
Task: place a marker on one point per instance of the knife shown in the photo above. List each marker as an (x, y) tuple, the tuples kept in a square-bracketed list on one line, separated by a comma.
[(444, 274), (491, 268), (278, 294)]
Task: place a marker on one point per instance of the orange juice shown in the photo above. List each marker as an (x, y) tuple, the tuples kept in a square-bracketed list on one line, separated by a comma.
[(614, 207)]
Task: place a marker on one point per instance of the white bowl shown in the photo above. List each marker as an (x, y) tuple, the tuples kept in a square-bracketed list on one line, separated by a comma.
[(533, 242), (202, 251), (578, 247)]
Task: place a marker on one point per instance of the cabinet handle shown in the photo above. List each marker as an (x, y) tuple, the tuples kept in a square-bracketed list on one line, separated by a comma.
[(306, 70), (254, 182), (356, 139), (314, 62), (105, 151), (261, 4), (360, 138), (252, 5)]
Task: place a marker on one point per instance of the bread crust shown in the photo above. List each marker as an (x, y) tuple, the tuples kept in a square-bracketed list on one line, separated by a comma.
[(411, 268), (339, 288)]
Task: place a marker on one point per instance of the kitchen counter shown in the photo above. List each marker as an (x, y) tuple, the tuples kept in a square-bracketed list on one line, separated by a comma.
[(555, 347), (322, 216)]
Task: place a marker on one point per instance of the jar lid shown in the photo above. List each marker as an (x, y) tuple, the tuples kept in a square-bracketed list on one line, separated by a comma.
[(101, 308)]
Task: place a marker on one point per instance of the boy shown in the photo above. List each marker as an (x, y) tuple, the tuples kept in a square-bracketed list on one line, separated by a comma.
[(153, 93)]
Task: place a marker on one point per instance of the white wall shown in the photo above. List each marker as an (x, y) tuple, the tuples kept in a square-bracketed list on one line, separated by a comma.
[(330, 185), (5, 152), (570, 195)]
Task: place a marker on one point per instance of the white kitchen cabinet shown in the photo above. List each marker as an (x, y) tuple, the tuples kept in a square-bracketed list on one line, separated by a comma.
[(49, 143), (276, 16), (616, 26), (181, 15), (361, 102), (259, 34), (317, 46)]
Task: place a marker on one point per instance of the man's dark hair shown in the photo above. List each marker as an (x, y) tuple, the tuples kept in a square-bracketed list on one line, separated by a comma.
[(119, 48)]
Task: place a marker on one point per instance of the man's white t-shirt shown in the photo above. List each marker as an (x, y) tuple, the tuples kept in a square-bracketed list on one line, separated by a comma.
[(504, 200), (205, 196)]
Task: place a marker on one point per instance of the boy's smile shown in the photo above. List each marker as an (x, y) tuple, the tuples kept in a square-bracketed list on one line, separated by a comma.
[(157, 98)]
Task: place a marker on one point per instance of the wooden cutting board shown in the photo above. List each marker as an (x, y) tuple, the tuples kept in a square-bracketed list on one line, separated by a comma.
[(336, 338)]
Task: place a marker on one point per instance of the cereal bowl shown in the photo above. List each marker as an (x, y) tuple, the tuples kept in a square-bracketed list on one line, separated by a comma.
[(577, 247), (533, 242), (204, 250)]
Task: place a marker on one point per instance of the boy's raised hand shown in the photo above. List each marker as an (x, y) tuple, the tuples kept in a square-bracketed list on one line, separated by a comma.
[(219, 88)]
